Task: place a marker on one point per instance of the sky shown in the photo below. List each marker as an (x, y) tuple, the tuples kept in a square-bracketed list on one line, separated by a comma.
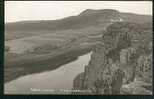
[(52, 10)]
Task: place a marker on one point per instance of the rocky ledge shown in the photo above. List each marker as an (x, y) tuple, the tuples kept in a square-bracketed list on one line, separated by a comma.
[(121, 64)]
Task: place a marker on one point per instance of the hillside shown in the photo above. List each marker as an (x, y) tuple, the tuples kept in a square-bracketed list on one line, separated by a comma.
[(28, 43), (85, 19)]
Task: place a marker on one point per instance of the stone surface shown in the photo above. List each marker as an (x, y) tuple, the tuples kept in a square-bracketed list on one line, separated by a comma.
[(117, 61)]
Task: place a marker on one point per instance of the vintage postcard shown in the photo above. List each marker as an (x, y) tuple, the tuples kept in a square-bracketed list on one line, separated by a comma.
[(78, 47)]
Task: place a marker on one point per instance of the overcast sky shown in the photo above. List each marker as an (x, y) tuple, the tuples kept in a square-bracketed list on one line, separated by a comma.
[(51, 10)]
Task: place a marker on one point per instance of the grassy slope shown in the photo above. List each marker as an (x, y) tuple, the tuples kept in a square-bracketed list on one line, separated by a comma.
[(34, 63)]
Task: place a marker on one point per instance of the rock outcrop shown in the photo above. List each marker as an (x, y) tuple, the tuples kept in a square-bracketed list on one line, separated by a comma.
[(124, 58)]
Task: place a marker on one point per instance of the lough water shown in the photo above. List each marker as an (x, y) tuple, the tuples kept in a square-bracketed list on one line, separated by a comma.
[(56, 81)]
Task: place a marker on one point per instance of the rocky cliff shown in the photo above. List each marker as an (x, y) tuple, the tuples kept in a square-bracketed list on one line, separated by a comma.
[(122, 63)]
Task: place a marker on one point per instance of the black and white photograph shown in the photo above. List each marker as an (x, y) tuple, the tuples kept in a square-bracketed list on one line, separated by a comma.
[(78, 48)]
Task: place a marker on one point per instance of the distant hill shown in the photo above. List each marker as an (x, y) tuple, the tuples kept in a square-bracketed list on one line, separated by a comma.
[(87, 18)]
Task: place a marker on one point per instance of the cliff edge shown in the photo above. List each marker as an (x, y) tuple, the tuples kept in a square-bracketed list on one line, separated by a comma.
[(122, 63)]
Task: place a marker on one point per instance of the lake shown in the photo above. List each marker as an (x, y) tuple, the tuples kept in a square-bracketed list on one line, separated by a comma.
[(56, 81)]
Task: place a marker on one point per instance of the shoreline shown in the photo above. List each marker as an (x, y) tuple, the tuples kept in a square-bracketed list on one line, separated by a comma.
[(16, 69)]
